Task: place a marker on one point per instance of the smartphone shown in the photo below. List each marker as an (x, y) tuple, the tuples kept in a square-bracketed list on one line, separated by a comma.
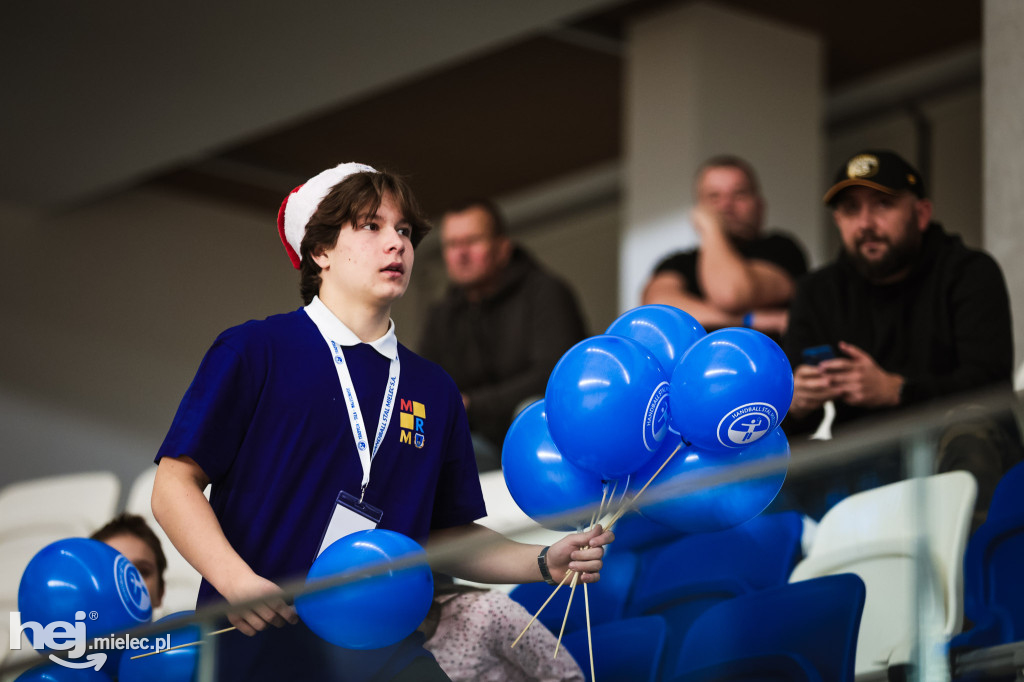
[(816, 354)]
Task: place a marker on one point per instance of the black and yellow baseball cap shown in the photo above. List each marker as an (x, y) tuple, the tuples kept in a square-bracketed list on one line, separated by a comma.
[(883, 170)]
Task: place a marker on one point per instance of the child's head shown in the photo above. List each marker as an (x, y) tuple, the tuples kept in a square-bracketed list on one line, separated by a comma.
[(130, 535)]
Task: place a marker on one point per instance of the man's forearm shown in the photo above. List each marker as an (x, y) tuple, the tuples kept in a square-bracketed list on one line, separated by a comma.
[(725, 275)]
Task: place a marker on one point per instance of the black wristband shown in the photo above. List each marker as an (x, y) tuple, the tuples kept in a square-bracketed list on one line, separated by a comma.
[(542, 563)]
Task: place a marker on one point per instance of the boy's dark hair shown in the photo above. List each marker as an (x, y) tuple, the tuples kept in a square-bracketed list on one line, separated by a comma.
[(133, 524), (357, 196)]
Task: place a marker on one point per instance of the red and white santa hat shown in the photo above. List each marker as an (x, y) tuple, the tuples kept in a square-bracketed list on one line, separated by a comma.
[(300, 205)]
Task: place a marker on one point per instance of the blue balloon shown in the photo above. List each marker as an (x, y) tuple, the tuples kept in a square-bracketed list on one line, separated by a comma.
[(85, 584), (173, 665), (545, 484), (684, 495), (666, 331), (58, 673), (607, 405), (370, 612), (731, 388)]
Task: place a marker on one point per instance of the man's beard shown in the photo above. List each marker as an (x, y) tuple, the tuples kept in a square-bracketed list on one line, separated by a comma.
[(900, 255)]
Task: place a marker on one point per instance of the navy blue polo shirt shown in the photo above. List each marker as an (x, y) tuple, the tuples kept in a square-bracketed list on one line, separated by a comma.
[(265, 420)]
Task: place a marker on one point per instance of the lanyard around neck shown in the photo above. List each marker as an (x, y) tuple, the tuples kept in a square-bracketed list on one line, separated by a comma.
[(355, 414)]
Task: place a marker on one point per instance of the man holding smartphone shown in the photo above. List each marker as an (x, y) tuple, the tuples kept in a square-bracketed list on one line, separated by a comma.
[(909, 313)]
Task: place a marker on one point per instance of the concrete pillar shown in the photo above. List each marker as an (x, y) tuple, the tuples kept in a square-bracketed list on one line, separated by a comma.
[(703, 80), (1003, 140)]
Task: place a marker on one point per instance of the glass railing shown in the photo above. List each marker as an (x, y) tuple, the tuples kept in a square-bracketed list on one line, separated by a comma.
[(904, 537)]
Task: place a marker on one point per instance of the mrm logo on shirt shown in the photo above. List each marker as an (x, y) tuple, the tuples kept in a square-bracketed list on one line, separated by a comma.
[(412, 416)]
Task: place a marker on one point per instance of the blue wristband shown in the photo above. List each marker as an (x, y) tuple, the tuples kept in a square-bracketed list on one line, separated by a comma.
[(748, 319)]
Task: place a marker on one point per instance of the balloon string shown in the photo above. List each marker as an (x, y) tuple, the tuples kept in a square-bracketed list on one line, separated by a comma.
[(623, 505), (565, 618), (180, 646), (624, 508), (590, 641), (611, 500), (600, 510), (567, 574)]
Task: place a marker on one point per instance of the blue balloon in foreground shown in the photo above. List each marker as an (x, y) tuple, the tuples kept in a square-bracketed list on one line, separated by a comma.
[(83, 582), (370, 612), (607, 405), (683, 497), (731, 388), (173, 665), (58, 673), (545, 484), (666, 331)]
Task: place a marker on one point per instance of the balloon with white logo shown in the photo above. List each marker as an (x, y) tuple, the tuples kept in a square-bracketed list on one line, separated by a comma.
[(607, 405), (730, 389), (700, 491), (88, 588)]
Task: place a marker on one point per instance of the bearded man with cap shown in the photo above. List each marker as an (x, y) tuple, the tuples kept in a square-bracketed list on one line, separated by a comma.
[(910, 314), (267, 422)]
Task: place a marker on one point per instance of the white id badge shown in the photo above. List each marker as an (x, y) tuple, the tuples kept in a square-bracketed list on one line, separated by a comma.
[(349, 516)]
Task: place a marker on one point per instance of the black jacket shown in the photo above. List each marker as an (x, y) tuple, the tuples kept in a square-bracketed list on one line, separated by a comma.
[(945, 327)]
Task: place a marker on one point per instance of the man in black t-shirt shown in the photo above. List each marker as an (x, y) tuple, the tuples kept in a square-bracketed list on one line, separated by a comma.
[(738, 276)]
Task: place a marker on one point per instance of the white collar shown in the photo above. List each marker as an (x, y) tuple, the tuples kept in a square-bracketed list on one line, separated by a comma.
[(322, 316)]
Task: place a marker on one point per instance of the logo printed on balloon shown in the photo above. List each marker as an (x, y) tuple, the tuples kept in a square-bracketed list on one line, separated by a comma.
[(746, 424), (656, 417), (131, 589)]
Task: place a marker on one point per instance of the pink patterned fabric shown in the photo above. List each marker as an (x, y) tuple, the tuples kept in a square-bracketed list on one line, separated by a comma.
[(473, 639)]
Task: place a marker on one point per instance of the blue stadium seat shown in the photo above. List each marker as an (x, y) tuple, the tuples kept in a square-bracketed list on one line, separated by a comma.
[(639, 534), (627, 650), (799, 631), (993, 589), (684, 578)]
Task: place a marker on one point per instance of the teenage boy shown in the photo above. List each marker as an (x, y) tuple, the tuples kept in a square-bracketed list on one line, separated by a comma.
[(292, 420)]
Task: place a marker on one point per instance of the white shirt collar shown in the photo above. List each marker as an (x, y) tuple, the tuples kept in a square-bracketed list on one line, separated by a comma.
[(328, 323)]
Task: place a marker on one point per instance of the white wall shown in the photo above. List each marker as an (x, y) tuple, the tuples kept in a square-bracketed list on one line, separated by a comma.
[(1003, 144)]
